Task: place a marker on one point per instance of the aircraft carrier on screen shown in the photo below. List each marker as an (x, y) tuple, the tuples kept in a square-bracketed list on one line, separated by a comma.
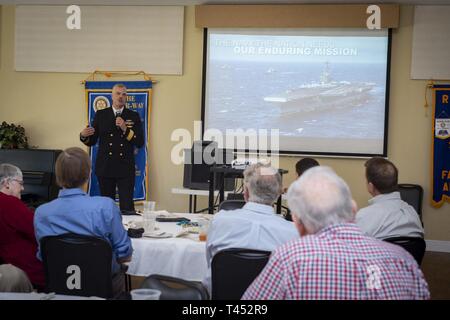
[(326, 95)]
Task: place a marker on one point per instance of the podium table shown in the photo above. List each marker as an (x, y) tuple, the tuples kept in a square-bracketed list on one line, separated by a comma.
[(222, 172)]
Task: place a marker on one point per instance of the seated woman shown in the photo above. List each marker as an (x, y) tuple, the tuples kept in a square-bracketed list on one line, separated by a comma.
[(76, 212), (17, 241)]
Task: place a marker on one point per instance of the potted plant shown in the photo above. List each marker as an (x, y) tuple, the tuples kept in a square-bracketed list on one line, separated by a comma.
[(12, 136)]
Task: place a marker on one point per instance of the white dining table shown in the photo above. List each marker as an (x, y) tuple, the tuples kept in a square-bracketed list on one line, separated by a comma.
[(181, 257), (41, 296)]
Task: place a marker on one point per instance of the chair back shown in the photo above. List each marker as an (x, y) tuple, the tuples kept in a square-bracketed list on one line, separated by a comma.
[(415, 246), (175, 288), (77, 265), (231, 204), (413, 195), (233, 270)]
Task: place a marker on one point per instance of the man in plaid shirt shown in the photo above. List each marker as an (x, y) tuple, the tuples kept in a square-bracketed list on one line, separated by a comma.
[(333, 259)]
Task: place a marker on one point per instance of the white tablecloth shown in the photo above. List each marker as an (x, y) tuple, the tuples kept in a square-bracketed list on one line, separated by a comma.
[(177, 257), (41, 296)]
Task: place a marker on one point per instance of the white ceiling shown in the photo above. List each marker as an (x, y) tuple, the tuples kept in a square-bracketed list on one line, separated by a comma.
[(193, 2)]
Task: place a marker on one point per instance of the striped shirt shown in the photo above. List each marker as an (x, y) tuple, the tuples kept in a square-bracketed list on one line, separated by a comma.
[(339, 262)]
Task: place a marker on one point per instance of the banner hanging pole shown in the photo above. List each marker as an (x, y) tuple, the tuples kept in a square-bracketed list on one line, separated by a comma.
[(112, 74)]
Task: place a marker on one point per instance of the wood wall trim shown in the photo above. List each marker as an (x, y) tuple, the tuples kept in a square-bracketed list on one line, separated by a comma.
[(292, 16)]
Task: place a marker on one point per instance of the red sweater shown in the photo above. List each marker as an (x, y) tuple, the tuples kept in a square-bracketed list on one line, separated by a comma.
[(17, 240)]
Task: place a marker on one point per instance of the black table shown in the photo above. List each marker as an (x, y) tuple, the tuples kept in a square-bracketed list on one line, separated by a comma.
[(222, 172)]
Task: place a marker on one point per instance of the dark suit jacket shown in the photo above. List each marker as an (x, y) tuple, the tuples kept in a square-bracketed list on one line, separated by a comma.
[(115, 157)]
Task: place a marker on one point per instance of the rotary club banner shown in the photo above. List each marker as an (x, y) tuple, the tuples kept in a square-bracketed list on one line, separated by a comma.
[(98, 96), (440, 184)]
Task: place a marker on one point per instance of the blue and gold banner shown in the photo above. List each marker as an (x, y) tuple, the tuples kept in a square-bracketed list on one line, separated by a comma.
[(440, 184), (98, 96)]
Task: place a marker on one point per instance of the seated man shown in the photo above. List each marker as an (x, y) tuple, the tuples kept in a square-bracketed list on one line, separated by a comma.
[(304, 164), (13, 279), (333, 259), (254, 226), (387, 215), (300, 167), (76, 212)]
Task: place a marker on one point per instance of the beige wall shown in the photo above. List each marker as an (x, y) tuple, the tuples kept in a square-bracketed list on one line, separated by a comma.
[(51, 107)]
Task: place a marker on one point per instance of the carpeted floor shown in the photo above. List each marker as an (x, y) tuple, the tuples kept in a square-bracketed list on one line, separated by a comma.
[(436, 268)]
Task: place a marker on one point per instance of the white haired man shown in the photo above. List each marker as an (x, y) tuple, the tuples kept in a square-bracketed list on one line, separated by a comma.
[(256, 225), (333, 259)]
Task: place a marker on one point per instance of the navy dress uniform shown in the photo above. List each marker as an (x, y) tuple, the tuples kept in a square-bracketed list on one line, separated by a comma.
[(115, 158)]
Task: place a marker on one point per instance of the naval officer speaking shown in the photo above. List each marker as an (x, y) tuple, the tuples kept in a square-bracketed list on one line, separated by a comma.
[(119, 131)]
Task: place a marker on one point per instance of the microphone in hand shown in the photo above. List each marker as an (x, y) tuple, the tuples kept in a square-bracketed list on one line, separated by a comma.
[(118, 114)]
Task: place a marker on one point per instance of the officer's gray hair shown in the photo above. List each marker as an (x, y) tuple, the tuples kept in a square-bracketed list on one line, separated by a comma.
[(263, 183), (118, 85), (320, 198), (8, 172)]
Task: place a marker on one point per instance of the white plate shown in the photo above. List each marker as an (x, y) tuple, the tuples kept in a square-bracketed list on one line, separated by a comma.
[(158, 235)]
